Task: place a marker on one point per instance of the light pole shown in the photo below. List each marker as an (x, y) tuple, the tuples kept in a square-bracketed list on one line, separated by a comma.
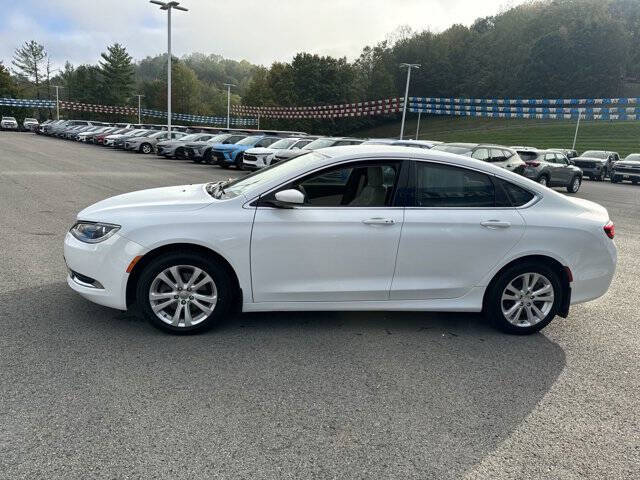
[(408, 66), (139, 116), (228, 85), (418, 126), (575, 137), (57, 87), (168, 6)]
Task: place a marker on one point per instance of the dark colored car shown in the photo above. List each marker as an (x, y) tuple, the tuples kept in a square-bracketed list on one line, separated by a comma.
[(596, 164), (626, 169), (551, 169), (500, 156)]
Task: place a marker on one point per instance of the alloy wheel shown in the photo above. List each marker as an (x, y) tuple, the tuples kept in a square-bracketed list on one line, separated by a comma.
[(576, 185), (183, 295), (527, 299), (146, 148), (543, 181)]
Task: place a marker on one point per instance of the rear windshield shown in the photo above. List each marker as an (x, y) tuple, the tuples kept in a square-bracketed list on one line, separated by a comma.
[(527, 156)]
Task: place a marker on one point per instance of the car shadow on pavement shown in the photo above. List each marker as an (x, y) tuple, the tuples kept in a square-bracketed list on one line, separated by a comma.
[(331, 395)]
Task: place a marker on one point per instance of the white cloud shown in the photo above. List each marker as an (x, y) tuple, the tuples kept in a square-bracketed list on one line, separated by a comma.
[(261, 31)]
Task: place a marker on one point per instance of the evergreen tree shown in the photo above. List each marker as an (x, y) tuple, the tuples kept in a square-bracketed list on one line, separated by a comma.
[(29, 61), (117, 74)]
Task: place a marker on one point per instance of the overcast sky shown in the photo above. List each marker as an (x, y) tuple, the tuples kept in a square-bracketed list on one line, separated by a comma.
[(260, 31)]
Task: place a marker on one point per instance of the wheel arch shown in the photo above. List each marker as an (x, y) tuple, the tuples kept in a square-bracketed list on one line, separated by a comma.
[(139, 267), (563, 273)]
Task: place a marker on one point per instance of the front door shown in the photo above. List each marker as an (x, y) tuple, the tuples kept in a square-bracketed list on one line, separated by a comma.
[(340, 245), (457, 230)]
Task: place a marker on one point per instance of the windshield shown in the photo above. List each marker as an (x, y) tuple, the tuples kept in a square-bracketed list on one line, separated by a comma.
[(527, 155), (191, 136), (219, 138), (260, 177), (284, 143), (320, 143), (9, 118), (143, 133), (595, 154), (157, 134), (453, 149), (634, 157), (249, 140)]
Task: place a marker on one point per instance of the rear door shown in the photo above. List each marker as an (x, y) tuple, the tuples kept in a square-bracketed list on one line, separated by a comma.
[(564, 172), (456, 230)]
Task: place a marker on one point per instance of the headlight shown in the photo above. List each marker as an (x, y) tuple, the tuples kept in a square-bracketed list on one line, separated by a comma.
[(93, 232)]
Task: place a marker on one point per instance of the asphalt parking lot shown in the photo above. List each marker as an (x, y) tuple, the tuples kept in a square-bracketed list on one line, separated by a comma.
[(90, 392)]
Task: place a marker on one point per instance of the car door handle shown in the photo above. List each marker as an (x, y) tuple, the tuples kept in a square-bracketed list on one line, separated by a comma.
[(495, 224), (379, 221)]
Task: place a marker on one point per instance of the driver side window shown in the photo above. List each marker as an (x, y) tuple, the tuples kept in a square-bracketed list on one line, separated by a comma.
[(363, 184)]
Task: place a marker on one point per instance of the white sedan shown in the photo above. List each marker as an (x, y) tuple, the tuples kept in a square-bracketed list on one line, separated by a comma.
[(346, 228)]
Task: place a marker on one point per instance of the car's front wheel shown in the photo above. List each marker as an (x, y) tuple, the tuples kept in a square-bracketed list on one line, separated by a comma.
[(146, 148), (574, 184), (524, 299), (184, 293)]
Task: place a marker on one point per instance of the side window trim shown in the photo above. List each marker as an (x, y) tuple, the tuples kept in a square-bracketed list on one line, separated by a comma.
[(410, 202), (396, 202)]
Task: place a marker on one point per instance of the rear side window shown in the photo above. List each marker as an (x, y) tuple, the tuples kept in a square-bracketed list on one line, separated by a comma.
[(446, 186), (497, 155), (516, 195)]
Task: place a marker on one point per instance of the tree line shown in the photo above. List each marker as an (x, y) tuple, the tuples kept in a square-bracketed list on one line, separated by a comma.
[(541, 49)]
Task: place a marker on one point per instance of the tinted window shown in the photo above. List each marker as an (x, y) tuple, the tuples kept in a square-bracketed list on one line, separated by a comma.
[(445, 186), (550, 157), (359, 185), (265, 142), (518, 196), (527, 156), (560, 159)]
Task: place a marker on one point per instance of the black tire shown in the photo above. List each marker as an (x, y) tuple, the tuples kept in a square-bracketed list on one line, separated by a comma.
[(146, 148), (207, 157), (493, 298), (615, 179), (635, 182), (223, 283), (238, 162), (179, 153), (602, 176), (574, 184), (543, 180), (223, 164)]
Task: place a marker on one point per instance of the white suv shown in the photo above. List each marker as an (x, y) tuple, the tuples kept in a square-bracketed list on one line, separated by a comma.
[(8, 123), (260, 157), (30, 124)]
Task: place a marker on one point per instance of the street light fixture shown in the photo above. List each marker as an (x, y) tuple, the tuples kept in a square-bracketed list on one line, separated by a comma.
[(168, 6), (228, 85), (408, 66)]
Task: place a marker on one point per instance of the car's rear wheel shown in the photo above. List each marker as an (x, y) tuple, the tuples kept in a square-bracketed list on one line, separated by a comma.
[(524, 298), (238, 162), (543, 180), (207, 157), (146, 148), (179, 153), (574, 184), (184, 293)]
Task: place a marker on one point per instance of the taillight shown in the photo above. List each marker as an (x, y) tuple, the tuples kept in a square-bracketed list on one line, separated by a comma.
[(610, 230), (533, 164)]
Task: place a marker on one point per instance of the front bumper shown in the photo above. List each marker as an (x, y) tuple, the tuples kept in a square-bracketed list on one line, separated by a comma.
[(625, 174), (9, 126), (592, 172), (105, 263)]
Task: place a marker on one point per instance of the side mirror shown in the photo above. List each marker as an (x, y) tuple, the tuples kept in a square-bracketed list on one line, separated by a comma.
[(290, 196)]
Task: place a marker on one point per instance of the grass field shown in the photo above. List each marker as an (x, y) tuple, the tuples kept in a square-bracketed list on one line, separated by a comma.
[(622, 137)]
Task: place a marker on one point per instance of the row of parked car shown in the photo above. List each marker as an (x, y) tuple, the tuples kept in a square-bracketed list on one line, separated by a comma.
[(252, 150)]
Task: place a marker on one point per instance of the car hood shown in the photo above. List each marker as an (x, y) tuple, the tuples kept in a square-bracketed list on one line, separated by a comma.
[(261, 151), (590, 159), (628, 163), (180, 198), (226, 147)]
